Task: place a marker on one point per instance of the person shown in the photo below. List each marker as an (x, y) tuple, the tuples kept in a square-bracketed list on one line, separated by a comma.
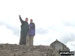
[(31, 32), (24, 30)]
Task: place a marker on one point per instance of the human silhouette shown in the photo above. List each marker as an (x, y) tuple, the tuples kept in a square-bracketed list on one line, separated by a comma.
[(31, 32), (24, 30)]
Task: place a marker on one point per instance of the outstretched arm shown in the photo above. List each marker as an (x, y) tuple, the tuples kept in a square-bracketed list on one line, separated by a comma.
[(20, 18)]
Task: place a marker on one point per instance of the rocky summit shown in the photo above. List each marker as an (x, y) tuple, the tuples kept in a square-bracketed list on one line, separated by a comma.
[(22, 50)]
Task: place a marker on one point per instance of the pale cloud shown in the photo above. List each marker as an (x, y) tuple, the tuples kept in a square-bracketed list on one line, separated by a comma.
[(68, 37), (7, 36), (71, 45)]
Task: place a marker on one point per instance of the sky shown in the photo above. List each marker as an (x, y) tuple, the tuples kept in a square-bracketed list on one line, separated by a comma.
[(54, 19)]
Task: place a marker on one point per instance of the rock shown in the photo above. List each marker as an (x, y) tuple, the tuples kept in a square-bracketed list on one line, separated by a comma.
[(22, 50)]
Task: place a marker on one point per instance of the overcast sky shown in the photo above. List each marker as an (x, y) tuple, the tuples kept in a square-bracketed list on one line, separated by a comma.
[(54, 19)]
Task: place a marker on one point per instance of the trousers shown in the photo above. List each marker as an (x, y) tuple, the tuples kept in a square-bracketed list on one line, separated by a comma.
[(29, 40)]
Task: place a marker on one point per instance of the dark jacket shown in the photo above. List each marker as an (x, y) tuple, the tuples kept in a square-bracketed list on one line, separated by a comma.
[(24, 26)]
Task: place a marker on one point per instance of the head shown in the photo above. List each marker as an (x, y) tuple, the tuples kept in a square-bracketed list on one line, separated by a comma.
[(31, 20), (26, 19)]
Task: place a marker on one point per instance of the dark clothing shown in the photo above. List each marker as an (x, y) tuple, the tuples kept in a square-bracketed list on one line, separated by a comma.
[(24, 31), (31, 29)]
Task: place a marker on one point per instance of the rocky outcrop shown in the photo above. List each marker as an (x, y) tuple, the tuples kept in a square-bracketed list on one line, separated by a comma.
[(57, 45), (22, 50)]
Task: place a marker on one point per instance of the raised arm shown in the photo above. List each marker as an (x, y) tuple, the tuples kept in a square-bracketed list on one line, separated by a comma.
[(20, 19)]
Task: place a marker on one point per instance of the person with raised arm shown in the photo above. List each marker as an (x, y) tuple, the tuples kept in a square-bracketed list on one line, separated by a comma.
[(24, 30)]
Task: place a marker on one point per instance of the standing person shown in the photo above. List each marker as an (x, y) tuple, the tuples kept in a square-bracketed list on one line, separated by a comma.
[(31, 32), (24, 30)]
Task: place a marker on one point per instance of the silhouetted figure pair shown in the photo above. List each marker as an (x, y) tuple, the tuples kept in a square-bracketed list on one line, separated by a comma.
[(27, 32)]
